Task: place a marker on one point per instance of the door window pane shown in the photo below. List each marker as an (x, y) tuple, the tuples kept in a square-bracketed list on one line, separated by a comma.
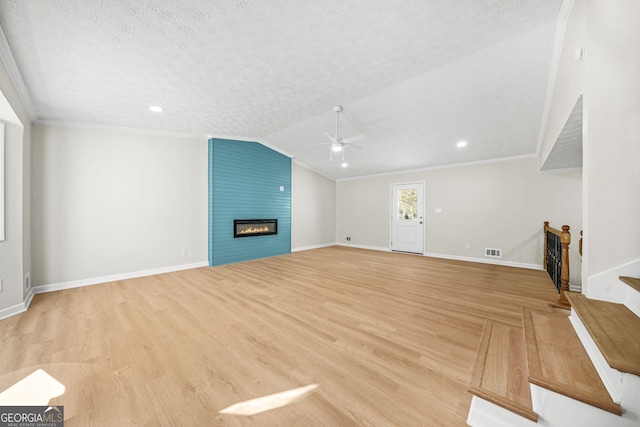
[(407, 204)]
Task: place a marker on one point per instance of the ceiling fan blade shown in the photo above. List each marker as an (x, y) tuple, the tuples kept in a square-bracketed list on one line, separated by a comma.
[(353, 138), (330, 137), (356, 146)]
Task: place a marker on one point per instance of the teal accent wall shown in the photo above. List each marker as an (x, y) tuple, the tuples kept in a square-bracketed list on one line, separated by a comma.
[(244, 183)]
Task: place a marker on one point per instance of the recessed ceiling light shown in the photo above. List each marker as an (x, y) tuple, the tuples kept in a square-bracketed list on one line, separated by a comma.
[(461, 144), (344, 164), (156, 109)]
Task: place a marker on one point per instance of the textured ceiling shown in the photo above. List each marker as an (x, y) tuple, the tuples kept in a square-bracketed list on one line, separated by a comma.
[(567, 150), (414, 76)]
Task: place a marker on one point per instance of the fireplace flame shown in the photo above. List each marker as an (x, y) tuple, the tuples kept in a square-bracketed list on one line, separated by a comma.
[(248, 230)]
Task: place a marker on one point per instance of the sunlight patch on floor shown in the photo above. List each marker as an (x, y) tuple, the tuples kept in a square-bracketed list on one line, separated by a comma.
[(271, 401)]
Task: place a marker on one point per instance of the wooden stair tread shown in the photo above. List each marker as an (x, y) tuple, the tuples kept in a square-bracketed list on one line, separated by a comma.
[(614, 328), (500, 372), (557, 360), (634, 282)]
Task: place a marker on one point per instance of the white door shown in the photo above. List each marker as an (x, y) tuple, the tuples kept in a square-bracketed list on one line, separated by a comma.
[(407, 217)]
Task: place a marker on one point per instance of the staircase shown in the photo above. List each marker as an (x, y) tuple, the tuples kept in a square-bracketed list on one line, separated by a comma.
[(559, 370)]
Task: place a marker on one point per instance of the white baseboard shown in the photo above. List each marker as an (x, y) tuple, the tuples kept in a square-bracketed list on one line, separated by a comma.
[(12, 311), (307, 248), (453, 257), (114, 277), (372, 248), (29, 298), (486, 261), (18, 308)]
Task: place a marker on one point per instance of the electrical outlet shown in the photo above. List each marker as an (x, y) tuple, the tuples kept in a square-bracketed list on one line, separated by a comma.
[(185, 251), (0, 285), (27, 281), (347, 238), (467, 246)]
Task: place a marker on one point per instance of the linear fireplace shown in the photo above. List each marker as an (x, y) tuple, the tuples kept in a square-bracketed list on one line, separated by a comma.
[(254, 227)]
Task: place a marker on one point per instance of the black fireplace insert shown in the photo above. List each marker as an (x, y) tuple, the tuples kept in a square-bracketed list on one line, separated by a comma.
[(254, 227)]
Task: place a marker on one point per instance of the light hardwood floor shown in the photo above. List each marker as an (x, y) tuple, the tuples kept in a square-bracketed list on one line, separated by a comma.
[(390, 338)]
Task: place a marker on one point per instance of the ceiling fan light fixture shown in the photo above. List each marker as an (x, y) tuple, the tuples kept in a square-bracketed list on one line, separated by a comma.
[(336, 148)]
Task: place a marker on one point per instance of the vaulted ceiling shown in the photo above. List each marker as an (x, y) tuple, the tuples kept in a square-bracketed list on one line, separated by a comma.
[(414, 76)]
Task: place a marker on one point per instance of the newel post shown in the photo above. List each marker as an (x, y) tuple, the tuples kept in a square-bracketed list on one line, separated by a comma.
[(565, 240)]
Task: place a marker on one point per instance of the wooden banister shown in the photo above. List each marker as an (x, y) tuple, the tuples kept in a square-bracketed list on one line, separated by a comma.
[(556, 257)]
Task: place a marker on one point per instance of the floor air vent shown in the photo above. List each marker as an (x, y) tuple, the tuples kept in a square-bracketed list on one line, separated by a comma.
[(494, 253)]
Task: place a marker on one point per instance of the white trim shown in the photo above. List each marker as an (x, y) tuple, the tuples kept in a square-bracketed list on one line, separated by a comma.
[(7, 58), (486, 261), (12, 311), (29, 298), (231, 137), (371, 248), (554, 66), (18, 308), (115, 277), (450, 166), (452, 257), (307, 248), (83, 125)]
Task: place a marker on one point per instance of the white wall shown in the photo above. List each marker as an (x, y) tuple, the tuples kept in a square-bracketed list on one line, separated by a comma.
[(313, 208), (497, 205), (569, 83), (15, 259), (612, 135), (108, 202)]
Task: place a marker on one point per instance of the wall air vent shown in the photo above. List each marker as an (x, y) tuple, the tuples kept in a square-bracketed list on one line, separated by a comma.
[(493, 253)]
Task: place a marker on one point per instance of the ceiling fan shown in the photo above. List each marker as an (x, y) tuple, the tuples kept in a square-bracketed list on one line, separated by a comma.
[(338, 144)]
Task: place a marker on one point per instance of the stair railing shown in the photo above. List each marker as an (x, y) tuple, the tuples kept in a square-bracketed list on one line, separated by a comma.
[(556, 259)]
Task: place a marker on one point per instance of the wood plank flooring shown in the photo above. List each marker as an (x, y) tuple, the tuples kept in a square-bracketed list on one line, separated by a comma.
[(390, 338), (500, 373), (614, 328), (557, 360)]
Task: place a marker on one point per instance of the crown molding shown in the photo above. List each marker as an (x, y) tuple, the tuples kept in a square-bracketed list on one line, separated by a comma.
[(450, 166), (83, 125), (6, 56)]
